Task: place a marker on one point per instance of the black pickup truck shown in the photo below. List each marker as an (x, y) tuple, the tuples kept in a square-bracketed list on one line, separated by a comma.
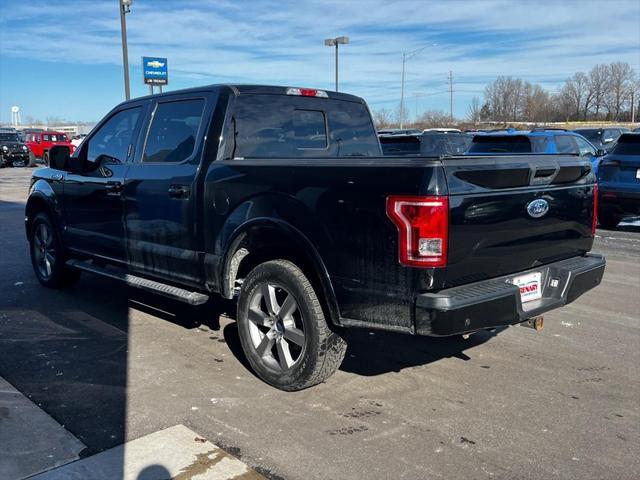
[(281, 197)]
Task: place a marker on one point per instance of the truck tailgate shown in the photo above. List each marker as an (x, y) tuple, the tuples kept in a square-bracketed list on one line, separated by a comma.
[(494, 229)]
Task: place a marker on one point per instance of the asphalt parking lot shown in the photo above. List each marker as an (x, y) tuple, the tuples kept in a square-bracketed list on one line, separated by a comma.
[(112, 364)]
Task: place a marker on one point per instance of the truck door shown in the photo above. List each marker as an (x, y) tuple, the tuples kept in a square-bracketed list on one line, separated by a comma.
[(161, 208), (93, 206)]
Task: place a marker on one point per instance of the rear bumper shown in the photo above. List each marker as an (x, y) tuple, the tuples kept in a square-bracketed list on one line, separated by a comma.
[(495, 303), (619, 201)]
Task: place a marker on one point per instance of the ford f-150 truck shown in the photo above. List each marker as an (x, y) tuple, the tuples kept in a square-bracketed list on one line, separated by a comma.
[(281, 197)]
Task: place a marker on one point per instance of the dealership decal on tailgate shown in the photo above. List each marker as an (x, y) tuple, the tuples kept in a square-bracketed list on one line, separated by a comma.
[(530, 286)]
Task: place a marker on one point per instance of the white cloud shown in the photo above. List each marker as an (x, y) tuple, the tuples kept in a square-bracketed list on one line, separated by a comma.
[(281, 41)]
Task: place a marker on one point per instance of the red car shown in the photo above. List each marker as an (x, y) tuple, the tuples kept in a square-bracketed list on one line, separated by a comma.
[(41, 142)]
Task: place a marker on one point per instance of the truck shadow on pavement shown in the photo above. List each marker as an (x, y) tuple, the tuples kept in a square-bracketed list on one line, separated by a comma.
[(371, 353)]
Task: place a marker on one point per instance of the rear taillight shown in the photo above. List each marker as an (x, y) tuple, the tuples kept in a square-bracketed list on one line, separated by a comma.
[(423, 229), (595, 210)]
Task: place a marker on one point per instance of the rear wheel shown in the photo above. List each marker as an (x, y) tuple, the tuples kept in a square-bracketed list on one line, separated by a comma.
[(282, 328), (608, 220), (45, 158), (47, 256)]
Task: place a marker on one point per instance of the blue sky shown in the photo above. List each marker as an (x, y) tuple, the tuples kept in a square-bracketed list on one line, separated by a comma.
[(64, 58)]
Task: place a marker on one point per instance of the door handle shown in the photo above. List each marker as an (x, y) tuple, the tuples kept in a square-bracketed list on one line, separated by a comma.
[(178, 191), (113, 188)]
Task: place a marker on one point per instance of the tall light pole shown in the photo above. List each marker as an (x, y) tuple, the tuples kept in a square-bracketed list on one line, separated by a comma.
[(405, 57), (331, 42), (125, 7)]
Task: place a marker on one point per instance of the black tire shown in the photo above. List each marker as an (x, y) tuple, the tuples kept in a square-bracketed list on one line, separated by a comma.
[(32, 160), (608, 220), (47, 254), (319, 350), (45, 158)]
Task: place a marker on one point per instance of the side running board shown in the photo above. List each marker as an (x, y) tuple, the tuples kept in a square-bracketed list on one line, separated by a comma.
[(192, 298)]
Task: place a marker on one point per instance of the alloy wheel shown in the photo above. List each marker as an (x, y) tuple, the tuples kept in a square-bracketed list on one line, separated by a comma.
[(44, 250), (275, 326)]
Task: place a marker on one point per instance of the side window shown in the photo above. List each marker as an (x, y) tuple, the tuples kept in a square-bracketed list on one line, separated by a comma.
[(585, 148), (45, 138), (173, 131), (566, 144), (309, 129), (113, 138), (610, 135)]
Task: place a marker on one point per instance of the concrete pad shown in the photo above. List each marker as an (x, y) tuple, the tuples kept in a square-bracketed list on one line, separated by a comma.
[(175, 453), (30, 440)]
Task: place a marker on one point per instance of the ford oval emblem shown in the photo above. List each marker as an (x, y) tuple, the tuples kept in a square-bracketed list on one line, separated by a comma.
[(538, 208)]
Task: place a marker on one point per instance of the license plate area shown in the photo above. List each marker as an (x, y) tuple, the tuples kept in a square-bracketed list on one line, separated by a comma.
[(530, 286)]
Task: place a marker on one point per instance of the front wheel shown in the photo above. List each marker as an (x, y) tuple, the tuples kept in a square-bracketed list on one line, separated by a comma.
[(282, 328), (47, 255)]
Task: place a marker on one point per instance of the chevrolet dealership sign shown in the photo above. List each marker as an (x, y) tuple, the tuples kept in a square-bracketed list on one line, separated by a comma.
[(155, 71)]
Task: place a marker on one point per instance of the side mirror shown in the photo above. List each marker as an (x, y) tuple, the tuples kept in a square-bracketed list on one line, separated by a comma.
[(600, 152), (59, 157)]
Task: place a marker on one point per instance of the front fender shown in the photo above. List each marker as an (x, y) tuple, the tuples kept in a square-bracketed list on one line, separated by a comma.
[(42, 197)]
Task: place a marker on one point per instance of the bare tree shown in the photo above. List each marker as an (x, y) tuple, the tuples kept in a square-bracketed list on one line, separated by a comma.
[(382, 118), (473, 111), (405, 115), (538, 104), (598, 86), (577, 94), (434, 118), (621, 78)]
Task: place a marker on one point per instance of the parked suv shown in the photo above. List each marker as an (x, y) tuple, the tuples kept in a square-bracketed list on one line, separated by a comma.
[(40, 143), (619, 181), (603, 138), (536, 141), (280, 197), (13, 152)]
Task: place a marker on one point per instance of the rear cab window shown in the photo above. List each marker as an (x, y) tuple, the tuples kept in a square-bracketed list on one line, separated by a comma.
[(279, 126)]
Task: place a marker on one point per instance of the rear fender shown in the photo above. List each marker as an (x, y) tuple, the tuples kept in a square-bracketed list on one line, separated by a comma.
[(254, 239)]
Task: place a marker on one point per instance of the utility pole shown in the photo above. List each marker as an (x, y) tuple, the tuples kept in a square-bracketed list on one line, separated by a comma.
[(125, 7), (633, 107), (451, 96), (405, 57)]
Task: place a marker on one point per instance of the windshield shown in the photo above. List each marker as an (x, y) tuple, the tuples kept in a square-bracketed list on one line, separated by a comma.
[(628, 145), (445, 144), (9, 137), (593, 136)]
